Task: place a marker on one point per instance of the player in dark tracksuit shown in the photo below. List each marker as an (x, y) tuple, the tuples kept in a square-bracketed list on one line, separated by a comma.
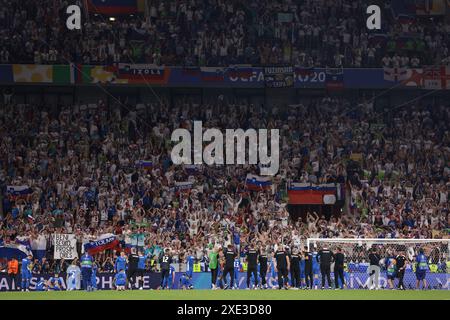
[(164, 263), (229, 254), (133, 260), (263, 268), (295, 269), (252, 265), (325, 257), (308, 257), (282, 267), (339, 259)]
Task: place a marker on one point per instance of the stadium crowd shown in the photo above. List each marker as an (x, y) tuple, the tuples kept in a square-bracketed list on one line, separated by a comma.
[(215, 33), (83, 165)]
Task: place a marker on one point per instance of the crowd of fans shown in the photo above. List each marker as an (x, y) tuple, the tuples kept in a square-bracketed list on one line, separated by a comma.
[(82, 165), (320, 33)]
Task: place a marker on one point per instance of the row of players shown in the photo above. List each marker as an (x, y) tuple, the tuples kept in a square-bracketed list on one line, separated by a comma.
[(293, 269)]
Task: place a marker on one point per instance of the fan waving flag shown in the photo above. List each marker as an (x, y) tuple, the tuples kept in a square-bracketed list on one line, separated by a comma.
[(145, 164), (256, 183), (115, 7), (104, 242), (17, 251), (183, 186), (19, 190)]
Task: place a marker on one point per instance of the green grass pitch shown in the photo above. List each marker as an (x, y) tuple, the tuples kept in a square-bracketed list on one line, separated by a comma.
[(231, 295)]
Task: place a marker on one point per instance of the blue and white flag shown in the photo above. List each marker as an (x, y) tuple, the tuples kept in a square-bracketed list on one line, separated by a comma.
[(19, 190), (14, 250), (183, 186), (256, 183), (25, 242), (146, 164)]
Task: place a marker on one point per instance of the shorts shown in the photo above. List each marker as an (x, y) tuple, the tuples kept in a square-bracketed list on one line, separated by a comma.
[(316, 271), (391, 277), (420, 275)]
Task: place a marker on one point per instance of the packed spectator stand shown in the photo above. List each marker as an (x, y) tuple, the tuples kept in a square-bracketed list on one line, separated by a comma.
[(82, 164), (307, 33)]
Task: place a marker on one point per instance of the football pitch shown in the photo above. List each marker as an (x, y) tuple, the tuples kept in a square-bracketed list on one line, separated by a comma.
[(231, 295)]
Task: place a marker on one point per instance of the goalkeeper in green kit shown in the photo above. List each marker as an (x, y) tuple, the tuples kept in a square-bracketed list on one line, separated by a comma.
[(213, 265)]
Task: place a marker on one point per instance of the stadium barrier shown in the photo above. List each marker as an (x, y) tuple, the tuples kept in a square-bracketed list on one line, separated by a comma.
[(202, 280), (127, 74)]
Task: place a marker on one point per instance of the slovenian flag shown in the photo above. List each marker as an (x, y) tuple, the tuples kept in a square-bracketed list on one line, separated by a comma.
[(257, 183), (113, 7), (146, 164), (14, 250), (240, 72), (25, 242), (18, 191), (104, 242), (306, 193)]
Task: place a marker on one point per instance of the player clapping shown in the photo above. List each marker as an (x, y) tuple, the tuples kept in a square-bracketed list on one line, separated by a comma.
[(164, 262)]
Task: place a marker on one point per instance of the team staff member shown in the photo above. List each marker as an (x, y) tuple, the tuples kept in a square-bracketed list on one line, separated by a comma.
[(325, 257), (164, 263), (339, 259), (252, 265), (308, 257), (282, 265), (229, 254), (295, 269), (13, 272), (374, 269), (263, 263), (401, 266)]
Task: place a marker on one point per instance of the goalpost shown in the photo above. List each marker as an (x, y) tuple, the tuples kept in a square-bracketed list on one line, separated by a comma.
[(357, 251)]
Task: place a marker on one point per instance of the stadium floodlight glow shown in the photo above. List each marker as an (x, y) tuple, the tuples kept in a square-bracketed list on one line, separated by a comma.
[(112, 19)]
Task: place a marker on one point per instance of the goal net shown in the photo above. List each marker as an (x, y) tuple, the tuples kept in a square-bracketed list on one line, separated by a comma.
[(357, 268)]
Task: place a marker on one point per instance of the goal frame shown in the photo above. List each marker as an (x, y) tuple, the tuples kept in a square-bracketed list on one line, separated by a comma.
[(374, 240)]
